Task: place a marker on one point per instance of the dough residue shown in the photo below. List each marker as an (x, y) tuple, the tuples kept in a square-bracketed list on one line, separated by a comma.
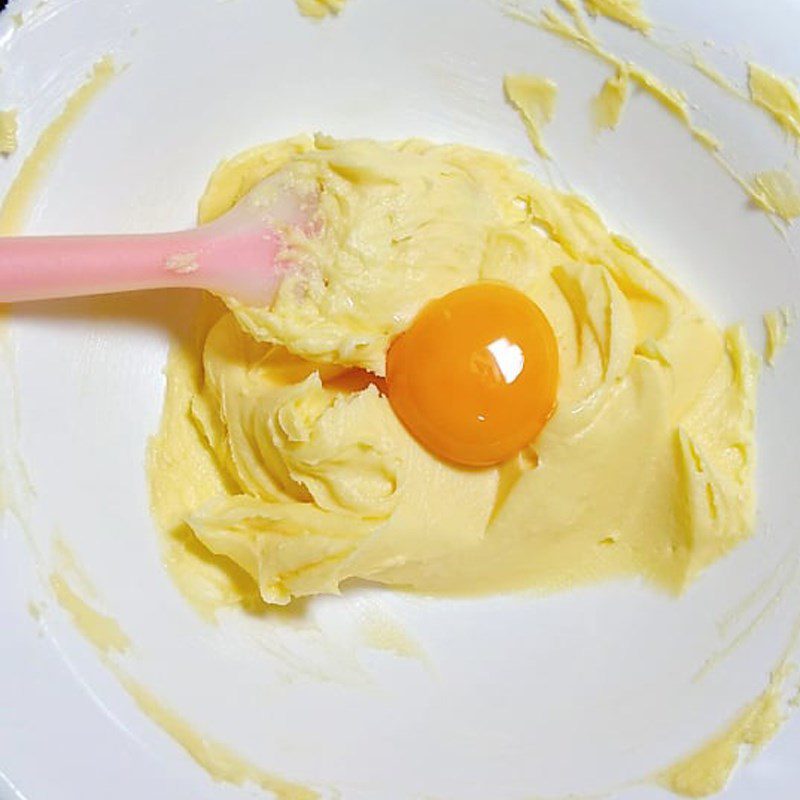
[(319, 9), (777, 96), (221, 763), (535, 100), (67, 565), (35, 611), (607, 106), (707, 771), (380, 632), (771, 192), (776, 326), (628, 12), (715, 76), (280, 464), (100, 630), (777, 192), (19, 197), (182, 263), (8, 131)]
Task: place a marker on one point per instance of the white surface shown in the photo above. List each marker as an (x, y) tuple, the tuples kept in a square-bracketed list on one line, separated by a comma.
[(515, 696)]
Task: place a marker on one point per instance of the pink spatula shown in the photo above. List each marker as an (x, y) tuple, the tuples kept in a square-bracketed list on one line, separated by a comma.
[(238, 255)]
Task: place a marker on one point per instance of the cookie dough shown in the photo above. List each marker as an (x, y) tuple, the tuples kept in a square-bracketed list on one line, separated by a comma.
[(281, 453)]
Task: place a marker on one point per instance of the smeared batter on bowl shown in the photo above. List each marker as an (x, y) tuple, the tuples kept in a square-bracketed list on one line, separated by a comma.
[(284, 457), (535, 100), (8, 131), (774, 191), (319, 9), (628, 12), (17, 201)]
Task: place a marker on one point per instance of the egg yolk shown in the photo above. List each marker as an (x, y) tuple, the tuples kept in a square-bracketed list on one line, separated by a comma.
[(474, 378)]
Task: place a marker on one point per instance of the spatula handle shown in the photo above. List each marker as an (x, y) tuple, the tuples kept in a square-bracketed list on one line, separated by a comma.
[(236, 262)]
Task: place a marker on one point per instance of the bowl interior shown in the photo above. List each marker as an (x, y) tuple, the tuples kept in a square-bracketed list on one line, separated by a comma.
[(376, 692)]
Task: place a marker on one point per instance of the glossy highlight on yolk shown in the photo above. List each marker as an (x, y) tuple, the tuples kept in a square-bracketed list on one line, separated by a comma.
[(475, 376)]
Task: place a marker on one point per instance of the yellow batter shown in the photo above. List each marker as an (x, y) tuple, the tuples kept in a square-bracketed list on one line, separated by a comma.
[(628, 12), (8, 131), (776, 326), (292, 469), (777, 96), (609, 102), (707, 770), (319, 9), (608, 105), (535, 100), (776, 191), (18, 199)]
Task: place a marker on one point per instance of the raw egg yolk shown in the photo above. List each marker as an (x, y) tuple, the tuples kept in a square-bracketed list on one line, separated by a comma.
[(474, 377)]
